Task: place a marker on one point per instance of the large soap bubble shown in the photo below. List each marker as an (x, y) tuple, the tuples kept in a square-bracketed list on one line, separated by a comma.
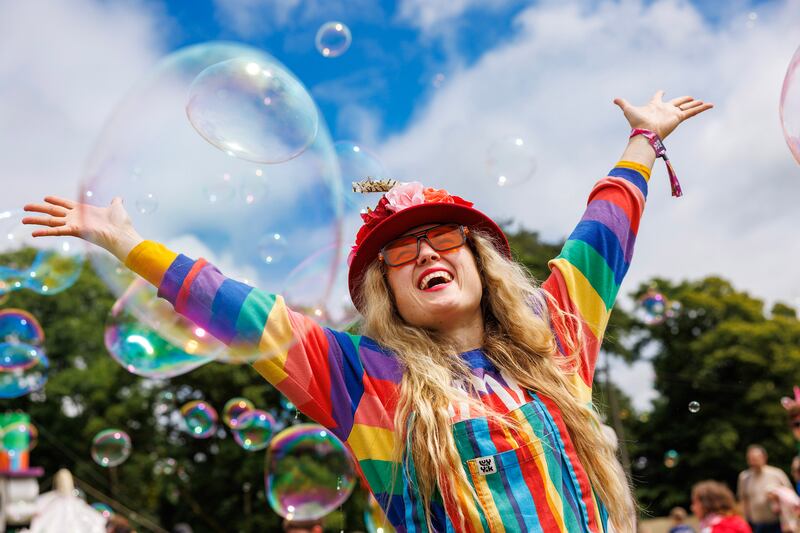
[(18, 326), (254, 109), (308, 472), (23, 369), (111, 447), (53, 265), (209, 204), (253, 430), (143, 351), (790, 106)]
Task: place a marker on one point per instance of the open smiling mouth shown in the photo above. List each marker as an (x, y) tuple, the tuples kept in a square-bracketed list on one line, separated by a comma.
[(439, 279)]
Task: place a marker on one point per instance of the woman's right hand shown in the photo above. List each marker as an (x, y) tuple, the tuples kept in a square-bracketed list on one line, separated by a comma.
[(108, 227)]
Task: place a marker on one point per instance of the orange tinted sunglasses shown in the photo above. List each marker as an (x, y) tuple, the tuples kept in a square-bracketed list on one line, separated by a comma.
[(406, 248)]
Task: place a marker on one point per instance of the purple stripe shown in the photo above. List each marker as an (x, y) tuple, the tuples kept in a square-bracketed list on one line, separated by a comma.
[(614, 218), (378, 365), (201, 295), (340, 397)]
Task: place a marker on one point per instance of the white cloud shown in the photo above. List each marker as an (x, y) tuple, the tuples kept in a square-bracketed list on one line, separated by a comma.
[(553, 85), (432, 16), (71, 63)]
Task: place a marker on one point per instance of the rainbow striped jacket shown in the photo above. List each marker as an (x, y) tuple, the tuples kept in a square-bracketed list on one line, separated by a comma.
[(531, 481)]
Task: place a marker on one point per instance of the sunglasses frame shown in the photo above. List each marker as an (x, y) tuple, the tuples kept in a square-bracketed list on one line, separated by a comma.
[(420, 235)]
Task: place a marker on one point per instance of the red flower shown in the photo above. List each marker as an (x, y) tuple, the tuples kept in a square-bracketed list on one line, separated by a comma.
[(437, 196)]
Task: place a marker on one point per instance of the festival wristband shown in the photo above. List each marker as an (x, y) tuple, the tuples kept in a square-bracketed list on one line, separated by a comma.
[(655, 141)]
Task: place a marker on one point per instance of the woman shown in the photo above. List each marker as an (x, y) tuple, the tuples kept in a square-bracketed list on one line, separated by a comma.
[(467, 401), (713, 503)]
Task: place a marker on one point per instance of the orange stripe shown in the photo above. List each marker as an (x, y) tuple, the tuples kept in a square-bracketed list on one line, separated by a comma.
[(183, 294)]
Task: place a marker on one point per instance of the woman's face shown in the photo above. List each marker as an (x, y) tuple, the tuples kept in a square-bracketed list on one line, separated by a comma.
[(438, 290), (697, 508)]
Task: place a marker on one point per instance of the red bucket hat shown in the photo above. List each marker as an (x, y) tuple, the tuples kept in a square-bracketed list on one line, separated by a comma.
[(405, 206)]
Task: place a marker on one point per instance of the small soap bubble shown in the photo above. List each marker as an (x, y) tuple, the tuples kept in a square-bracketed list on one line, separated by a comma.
[(23, 369), (671, 459), (694, 407), (200, 419), (333, 39), (272, 247), (254, 429), (298, 486), (111, 447), (104, 509), (234, 408), (18, 326), (147, 203), (653, 307), (357, 163), (510, 162)]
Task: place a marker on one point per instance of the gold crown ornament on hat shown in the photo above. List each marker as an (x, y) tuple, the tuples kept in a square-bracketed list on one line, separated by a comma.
[(371, 185)]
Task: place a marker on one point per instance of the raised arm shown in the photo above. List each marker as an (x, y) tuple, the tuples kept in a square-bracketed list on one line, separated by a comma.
[(586, 276), (318, 370)]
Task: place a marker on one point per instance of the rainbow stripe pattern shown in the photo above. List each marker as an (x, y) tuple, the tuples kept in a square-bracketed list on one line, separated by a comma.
[(526, 481)]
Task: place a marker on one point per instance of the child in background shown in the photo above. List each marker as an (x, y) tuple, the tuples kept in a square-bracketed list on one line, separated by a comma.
[(679, 525)]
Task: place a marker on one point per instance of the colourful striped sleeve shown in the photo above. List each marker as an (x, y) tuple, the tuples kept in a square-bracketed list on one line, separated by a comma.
[(317, 369), (586, 276)]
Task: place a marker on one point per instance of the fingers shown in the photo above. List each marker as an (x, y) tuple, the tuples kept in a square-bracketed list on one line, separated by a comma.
[(46, 209), (689, 105), (622, 103), (681, 100), (61, 231), (696, 110), (63, 202), (43, 221), (658, 96)]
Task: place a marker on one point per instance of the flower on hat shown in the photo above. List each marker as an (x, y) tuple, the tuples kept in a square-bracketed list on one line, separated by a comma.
[(405, 195)]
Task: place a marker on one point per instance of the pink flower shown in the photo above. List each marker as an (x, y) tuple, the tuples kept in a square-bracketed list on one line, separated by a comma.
[(405, 195)]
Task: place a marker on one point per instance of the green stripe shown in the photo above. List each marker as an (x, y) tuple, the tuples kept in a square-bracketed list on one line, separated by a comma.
[(594, 267), (379, 476), (253, 317)]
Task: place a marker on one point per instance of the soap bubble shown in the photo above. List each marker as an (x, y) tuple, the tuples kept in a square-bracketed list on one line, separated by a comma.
[(210, 205), (234, 408), (286, 405), (253, 430), (165, 467), (111, 447), (308, 472), (23, 369), (671, 458), (18, 437), (694, 407), (790, 106), (375, 519), (510, 162), (104, 509), (18, 326), (52, 266), (200, 418), (357, 163), (653, 307), (142, 351), (253, 108), (333, 39)]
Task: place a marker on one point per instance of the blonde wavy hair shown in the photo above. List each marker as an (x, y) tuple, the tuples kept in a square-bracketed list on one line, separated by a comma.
[(517, 340)]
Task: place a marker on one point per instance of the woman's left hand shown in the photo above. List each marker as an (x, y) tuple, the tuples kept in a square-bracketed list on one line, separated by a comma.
[(659, 116)]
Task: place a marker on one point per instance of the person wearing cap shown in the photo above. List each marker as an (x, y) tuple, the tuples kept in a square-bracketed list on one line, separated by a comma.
[(466, 400)]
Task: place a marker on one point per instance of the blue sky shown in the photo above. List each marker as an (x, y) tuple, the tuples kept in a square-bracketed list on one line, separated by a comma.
[(392, 62)]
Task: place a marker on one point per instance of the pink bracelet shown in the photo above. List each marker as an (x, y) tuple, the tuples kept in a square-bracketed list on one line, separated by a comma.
[(655, 141)]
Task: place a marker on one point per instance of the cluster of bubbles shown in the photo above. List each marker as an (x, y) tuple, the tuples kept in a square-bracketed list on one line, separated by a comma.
[(333, 39), (790, 106), (111, 447), (247, 149), (654, 308), (50, 267), (23, 363), (308, 472)]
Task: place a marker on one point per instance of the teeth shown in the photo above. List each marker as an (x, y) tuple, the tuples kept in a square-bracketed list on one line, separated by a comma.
[(423, 283)]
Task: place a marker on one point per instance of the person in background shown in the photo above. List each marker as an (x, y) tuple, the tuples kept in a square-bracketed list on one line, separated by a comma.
[(753, 489), (713, 503), (795, 469), (679, 525)]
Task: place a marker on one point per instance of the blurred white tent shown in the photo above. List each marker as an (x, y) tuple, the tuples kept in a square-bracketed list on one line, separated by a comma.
[(61, 511)]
